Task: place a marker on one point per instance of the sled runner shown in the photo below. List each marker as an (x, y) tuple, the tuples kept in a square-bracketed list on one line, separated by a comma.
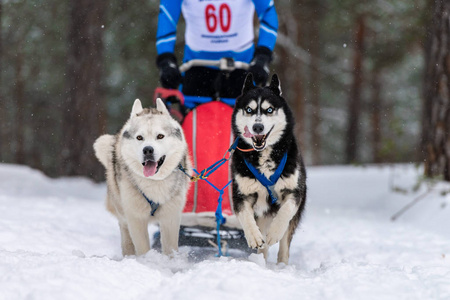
[(206, 124)]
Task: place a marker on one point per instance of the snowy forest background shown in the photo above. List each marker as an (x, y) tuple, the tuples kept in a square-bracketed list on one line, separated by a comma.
[(352, 70)]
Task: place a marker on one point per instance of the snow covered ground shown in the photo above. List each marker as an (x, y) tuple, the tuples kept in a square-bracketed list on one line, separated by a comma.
[(58, 242)]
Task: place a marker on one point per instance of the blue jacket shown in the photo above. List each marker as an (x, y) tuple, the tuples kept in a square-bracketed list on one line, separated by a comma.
[(217, 28)]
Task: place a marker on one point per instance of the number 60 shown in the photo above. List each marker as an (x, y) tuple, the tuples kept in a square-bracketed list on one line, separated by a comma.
[(224, 17)]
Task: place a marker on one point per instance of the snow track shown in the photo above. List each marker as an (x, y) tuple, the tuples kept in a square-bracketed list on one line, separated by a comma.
[(58, 242)]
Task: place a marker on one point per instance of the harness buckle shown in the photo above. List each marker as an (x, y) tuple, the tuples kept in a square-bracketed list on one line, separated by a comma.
[(195, 178), (198, 177), (231, 151)]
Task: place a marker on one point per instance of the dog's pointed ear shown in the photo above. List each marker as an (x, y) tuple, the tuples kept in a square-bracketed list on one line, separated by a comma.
[(248, 83), (161, 107), (137, 108), (275, 85)]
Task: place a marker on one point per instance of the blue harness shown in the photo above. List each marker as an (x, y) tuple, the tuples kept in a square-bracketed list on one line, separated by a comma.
[(153, 205), (268, 183), (203, 175)]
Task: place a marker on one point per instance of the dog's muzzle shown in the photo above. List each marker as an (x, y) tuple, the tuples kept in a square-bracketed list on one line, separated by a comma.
[(258, 140), (151, 166)]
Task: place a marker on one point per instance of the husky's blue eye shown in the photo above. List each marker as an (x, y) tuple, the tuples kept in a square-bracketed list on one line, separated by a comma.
[(270, 110), (249, 110)]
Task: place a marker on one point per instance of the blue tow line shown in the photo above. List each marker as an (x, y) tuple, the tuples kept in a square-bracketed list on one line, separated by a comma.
[(203, 175), (267, 183)]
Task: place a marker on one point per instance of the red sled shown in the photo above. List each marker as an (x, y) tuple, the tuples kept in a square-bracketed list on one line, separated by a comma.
[(207, 129)]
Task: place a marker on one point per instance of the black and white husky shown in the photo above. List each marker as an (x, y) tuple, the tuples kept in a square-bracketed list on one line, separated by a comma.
[(269, 177), (144, 183)]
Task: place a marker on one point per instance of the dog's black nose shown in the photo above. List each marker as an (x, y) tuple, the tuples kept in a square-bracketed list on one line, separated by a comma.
[(148, 150), (258, 128)]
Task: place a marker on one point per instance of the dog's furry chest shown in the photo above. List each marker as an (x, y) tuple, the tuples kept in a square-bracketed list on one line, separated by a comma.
[(162, 191)]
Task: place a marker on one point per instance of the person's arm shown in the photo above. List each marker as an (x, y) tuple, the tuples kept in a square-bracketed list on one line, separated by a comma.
[(169, 14), (268, 27), (268, 23)]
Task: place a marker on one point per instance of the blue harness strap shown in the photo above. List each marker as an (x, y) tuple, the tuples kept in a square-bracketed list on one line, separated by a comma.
[(203, 175), (268, 183), (153, 205)]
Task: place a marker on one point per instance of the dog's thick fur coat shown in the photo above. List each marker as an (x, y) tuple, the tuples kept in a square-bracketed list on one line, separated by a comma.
[(142, 161), (263, 121)]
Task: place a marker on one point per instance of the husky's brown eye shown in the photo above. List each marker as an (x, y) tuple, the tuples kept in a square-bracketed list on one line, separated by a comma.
[(160, 136), (139, 138)]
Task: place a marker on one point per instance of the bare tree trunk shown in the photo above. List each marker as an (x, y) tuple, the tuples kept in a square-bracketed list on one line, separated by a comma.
[(294, 88), (291, 69), (315, 82), (299, 89), (354, 107), (299, 110), (376, 106), (19, 99), (84, 117), (436, 91), (2, 100), (428, 88)]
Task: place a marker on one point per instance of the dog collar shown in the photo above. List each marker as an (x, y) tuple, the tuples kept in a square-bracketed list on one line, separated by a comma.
[(245, 150), (234, 146), (268, 183)]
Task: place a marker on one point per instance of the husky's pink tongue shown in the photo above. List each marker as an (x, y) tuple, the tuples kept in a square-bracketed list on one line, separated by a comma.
[(247, 133), (150, 168)]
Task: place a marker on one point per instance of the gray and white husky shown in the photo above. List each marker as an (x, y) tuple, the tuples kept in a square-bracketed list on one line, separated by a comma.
[(269, 177), (143, 180)]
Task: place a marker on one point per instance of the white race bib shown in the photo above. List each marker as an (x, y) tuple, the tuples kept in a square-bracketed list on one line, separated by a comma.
[(218, 25)]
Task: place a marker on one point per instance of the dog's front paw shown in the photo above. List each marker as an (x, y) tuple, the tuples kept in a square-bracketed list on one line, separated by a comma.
[(275, 234), (255, 239)]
